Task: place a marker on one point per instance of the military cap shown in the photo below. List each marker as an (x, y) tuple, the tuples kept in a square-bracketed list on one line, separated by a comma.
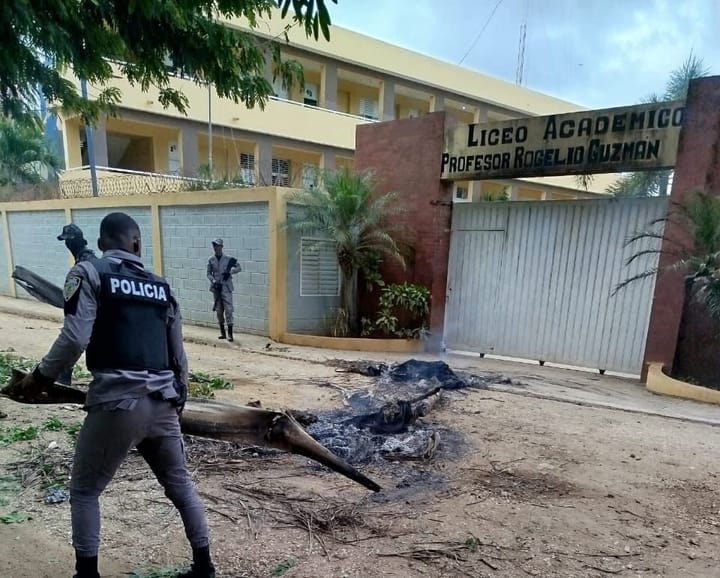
[(71, 231)]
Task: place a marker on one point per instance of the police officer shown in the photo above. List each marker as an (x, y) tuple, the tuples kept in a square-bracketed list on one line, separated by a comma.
[(129, 321), (220, 269), (77, 245)]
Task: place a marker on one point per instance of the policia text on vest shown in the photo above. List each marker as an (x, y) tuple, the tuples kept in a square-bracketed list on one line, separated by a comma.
[(131, 300), (131, 288)]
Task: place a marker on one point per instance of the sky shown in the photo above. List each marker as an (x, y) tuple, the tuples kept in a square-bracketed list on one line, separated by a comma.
[(594, 53)]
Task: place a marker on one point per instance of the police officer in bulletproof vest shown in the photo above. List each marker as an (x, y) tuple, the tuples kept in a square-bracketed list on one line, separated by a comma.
[(77, 245), (220, 269), (128, 321)]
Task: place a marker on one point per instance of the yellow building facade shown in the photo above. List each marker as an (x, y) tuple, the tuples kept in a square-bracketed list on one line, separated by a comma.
[(350, 80)]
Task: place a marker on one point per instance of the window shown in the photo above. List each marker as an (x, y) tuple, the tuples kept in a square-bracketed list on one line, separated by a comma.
[(461, 193), (308, 176), (311, 94), (281, 173), (369, 108), (319, 270), (247, 168), (173, 159), (280, 90), (413, 113)]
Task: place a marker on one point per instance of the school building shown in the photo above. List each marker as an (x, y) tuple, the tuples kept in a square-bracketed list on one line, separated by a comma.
[(351, 80)]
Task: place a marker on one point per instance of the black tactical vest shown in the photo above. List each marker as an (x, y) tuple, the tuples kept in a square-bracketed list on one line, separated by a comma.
[(130, 330)]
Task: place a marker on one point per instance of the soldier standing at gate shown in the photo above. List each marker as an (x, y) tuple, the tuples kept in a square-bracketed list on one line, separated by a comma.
[(220, 269)]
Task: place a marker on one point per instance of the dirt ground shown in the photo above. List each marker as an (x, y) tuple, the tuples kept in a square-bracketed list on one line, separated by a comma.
[(528, 487)]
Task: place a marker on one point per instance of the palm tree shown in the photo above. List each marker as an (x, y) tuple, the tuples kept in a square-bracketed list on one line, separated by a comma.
[(699, 259), (343, 209), (25, 158), (655, 183)]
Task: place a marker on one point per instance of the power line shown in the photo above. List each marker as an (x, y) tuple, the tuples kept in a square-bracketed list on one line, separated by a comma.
[(474, 42)]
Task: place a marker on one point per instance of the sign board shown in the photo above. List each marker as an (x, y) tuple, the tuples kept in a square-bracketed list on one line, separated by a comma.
[(632, 138)]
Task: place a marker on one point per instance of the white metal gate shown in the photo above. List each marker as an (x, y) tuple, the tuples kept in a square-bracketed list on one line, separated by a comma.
[(533, 280)]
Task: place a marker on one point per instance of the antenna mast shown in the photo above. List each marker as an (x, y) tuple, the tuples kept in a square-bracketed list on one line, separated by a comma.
[(521, 47)]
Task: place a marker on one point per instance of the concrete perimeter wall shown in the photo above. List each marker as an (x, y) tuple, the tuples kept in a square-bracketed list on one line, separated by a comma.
[(177, 232)]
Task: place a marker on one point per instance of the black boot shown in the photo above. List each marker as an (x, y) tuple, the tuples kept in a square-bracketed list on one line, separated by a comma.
[(230, 335), (86, 567), (222, 332), (202, 566)]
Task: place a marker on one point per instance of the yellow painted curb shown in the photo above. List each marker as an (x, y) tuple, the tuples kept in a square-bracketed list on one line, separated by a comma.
[(355, 343), (658, 382)]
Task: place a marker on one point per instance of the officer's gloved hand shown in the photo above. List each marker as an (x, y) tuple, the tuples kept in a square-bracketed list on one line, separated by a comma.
[(226, 276), (32, 387)]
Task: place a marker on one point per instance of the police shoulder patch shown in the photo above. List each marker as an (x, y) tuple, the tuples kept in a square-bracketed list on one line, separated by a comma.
[(72, 284)]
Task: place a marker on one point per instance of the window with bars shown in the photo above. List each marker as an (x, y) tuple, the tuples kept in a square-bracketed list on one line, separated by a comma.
[(461, 193), (247, 168), (319, 270), (368, 108), (281, 172)]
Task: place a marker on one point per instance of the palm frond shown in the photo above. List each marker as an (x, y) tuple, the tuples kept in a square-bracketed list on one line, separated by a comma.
[(679, 81), (652, 252), (639, 277)]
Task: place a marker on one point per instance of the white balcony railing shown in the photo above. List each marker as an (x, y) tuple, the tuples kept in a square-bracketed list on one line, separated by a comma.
[(330, 110)]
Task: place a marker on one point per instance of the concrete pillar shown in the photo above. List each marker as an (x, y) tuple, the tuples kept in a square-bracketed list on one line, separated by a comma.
[(426, 199), (328, 86), (513, 191), (545, 196), (387, 100), (437, 103), (188, 143), (481, 114), (327, 161), (696, 168), (101, 145), (475, 193), (263, 162)]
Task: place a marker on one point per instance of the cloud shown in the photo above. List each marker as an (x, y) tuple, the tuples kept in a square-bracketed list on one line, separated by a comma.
[(598, 53)]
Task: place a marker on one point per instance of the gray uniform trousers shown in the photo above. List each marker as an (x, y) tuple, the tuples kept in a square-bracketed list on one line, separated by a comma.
[(104, 441), (225, 306)]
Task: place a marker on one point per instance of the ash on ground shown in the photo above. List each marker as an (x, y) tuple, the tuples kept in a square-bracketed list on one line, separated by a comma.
[(392, 421)]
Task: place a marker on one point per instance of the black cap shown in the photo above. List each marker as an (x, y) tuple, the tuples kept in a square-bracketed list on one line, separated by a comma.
[(71, 231)]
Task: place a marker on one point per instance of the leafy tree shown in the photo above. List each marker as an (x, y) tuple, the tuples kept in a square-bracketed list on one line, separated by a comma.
[(655, 183), (149, 40), (342, 208), (25, 158), (699, 259)]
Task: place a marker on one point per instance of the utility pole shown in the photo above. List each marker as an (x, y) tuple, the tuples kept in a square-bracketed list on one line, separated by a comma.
[(90, 142)]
